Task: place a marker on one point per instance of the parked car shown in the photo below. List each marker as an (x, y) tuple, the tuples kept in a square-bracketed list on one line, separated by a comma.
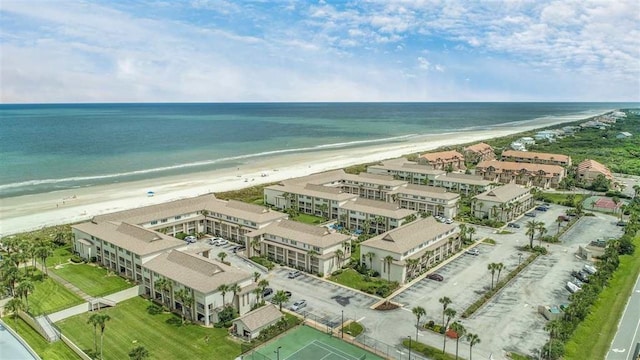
[(577, 282), (541, 208), (436, 277), (589, 269), (288, 293), (621, 223), (294, 274), (267, 291), (513, 225), (190, 239), (298, 305), (215, 240), (572, 287), (530, 214), (221, 242), (564, 218), (581, 275), (473, 251), (449, 221), (237, 249)]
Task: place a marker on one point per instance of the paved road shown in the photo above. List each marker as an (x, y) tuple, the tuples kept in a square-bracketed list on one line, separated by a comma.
[(628, 335)]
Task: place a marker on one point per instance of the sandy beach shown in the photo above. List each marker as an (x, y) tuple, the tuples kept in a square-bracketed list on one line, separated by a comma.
[(29, 212)]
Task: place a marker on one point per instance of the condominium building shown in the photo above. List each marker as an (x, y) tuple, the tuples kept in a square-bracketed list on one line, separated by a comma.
[(502, 203), (409, 171), (536, 158), (402, 254), (376, 216), (462, 183), (444, 160), (426, 199), (526, 174), (479, 152), (589, 170), (315, 249)]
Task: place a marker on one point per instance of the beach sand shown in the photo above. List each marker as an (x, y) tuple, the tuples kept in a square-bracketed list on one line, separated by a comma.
[(29, 212)]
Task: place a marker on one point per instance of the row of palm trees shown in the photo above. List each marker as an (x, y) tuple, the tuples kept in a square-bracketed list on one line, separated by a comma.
[(98, 319), (448, 314), (184, 296), (535, 227), (493, 267)]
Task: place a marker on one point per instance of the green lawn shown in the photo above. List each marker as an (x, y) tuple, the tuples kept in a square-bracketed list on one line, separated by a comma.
[(60, 255), (561, 199), (162, 334), (308, 219), (594, 335), (354, 329), (91, 279), (50, 296), (355, 280), (51, 351)]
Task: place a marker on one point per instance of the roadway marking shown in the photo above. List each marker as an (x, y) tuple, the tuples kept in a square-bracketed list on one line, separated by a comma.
[(362, 318), (618, 350)]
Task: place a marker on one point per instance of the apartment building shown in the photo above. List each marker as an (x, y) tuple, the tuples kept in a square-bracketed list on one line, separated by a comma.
[(526, 174), (502, 203), (315, 249), (479, 152), (426, 199), (409, 171), (536, 158), (402, 254), (462, 183), (589, 170), (444, 160), (376, 216)]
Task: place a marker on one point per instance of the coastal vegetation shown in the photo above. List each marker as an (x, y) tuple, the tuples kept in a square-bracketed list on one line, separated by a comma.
[(252, 194)]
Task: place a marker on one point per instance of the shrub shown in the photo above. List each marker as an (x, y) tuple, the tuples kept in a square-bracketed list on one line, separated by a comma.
[(155, 309), (589, 214), (320, 275), (337, 272), (374, 273), (76, 259), (430, 324), (263, 261), (181, 235)]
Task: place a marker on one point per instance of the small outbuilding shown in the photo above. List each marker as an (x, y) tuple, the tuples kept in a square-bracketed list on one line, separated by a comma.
[(250, 324), (623, 135)]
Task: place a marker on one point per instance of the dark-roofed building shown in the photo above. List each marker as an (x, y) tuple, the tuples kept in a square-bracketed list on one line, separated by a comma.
[(249, 325), (502, 203), (301, 246), (201, 278), (404, 253)]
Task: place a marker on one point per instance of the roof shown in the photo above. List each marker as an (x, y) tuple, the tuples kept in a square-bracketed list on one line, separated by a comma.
[(504, 193), (592, 165), (251, 212), (442, 155), (423, 190), (407, 237), (514, 166), (535, 155), (403, 164), (479, 148), (376, 207), (318, 236), (463, 179), (318, 179), (313, 190), (254, 320), (374, 179), (130, 237), (195, 271)]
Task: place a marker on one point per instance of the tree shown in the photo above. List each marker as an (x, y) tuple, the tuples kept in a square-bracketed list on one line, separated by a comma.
[(541, 231), (463, 231), (99, 320), (445, 301), (450, 313), (532, 227), (262, 285), (11, 275), (559, 220), (185, 298), (471, 231), (223, 289), (339, 255), (256, 276), (311, 254), (553, 327), (235, 289), (103, 323), (419, 312), (460, 332), (492, 267), (24, 289), (370, 255), (14, 305), (412, 264), (161, 285), (388, 260), (44, 251), (139, 353), (473, 339), (255, 245), (280, 298), (222, 255), (93, 320), (499, 268)]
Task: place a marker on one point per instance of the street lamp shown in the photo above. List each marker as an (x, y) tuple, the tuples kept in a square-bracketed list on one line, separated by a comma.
[(519, 258), (277, 352), (342, 327), (409, 337)]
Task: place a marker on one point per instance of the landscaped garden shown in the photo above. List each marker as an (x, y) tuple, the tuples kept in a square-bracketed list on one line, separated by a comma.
[(49, 296), (163, 335), (91, 279), (52, 351), (308, 219), (368, 284)]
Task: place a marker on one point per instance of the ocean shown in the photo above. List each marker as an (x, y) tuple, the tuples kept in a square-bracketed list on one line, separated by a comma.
[(49, 147)]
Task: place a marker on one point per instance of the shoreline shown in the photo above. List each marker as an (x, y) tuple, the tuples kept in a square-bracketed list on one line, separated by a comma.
[(30, 212)]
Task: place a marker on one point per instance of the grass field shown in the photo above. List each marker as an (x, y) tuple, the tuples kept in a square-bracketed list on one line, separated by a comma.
[(60, 255), (49, 296), (51, 351), (355, 280), (93, 280), (308, 219), (594, 335), (163, 335)]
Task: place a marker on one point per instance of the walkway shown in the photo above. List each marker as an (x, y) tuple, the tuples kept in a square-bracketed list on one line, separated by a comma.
[(70, 286)]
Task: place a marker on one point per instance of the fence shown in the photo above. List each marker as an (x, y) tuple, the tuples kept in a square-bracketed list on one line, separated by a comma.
[(20, 339)]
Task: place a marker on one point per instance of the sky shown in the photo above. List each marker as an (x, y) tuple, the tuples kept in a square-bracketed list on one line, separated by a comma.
[(259, 51)]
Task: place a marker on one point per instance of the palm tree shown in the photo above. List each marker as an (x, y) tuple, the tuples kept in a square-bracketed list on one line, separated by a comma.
[(24, 288), (256, 276), (262, 285), (102, 321), (14, 305), (185, 298), (445, 301), (499, 268), (450, 313), (471, 231), (463, 231), (419, 312), (222, 255), (532, 227), (412, 264), (161, 285), (280, 298), (492, 267), (235, 289), (11, 274), (473, 339), (339, 255), (223, 289), (559, 220), (311, 254), (460, 332), (370, 255), (139, 353), (541, 231), (388, 260), (255, 245), (44, 251), (93, 320)]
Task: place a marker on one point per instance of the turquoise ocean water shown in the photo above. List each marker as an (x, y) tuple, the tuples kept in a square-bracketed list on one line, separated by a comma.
[(51, 147)]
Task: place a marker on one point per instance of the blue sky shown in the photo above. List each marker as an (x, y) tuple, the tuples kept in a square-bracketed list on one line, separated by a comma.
[(402, 50)]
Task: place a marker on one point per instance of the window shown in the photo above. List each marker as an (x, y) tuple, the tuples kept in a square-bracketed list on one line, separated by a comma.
[(178, 217), (154, 222), (163, 220)]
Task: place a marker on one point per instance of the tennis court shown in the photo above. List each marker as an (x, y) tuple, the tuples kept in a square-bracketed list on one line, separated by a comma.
[(602, 203), (306, 343)]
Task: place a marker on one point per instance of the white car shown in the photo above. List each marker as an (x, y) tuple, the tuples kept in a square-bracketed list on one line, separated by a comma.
[(221, 242), (298, 305), (216, 241), (190, 239)]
